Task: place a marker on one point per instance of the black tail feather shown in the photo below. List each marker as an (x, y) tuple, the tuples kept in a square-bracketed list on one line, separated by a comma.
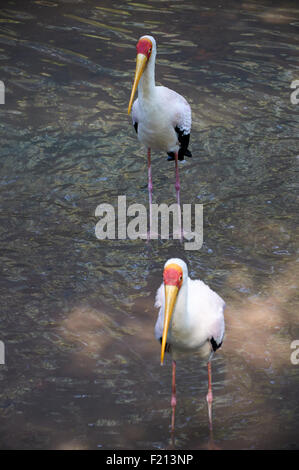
[(184, 142)]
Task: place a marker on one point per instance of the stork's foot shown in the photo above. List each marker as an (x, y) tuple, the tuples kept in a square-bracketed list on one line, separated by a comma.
[(210, 445)]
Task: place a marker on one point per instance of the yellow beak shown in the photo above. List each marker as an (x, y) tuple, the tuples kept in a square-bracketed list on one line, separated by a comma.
[(171, 293), (141, 61)]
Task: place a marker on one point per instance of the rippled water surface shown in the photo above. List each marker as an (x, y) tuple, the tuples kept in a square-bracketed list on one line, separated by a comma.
[(81, 363)]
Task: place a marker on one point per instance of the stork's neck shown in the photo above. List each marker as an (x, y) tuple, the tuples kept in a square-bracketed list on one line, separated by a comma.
[(146, 85), (180, 313)]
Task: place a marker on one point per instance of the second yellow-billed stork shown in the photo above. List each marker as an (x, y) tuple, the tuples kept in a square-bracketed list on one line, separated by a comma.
[(161, 117), (190, 320)]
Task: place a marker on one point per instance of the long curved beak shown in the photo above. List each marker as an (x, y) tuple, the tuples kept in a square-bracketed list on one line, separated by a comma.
[(141, 61), (171, 293)]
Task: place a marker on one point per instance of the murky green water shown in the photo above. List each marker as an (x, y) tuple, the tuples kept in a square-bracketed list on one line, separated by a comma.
[(81, 362)]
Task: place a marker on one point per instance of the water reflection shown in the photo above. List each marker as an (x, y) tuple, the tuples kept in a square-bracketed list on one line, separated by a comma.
[(82, 366)]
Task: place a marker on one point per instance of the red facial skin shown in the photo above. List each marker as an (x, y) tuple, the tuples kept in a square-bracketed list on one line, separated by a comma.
[(173, 275), (144, 46)]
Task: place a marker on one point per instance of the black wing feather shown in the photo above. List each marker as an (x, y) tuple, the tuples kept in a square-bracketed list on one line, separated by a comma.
[(167, 346), (214, 344), (184, 142)]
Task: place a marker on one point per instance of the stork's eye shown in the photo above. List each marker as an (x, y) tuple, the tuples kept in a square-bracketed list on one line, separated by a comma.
[(150, 50), (180, 278)]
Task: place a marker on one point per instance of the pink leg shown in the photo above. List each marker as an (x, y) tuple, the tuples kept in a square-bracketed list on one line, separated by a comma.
[(177, 179), (177, 188), (150, 190), (173, 395), (210, 394), (149, 171)]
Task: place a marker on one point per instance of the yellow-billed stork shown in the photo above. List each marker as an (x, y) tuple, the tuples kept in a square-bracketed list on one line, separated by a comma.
[(161, 117), (190, 320)]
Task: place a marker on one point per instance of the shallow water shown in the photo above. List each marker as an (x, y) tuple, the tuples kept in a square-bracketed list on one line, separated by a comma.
[(81, 362)]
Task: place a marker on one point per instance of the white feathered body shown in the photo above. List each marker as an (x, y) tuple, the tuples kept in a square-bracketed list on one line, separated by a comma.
[(197, 317), (158, 117)]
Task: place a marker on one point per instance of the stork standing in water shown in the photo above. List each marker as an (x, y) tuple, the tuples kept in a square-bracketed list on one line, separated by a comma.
[(190, 320), (161, 117)]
